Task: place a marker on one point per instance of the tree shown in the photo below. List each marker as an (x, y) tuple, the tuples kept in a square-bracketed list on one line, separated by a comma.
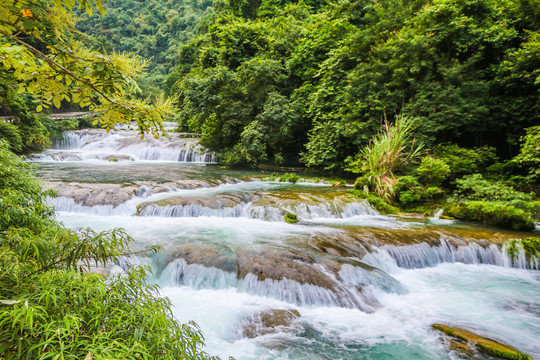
[(42, 51)]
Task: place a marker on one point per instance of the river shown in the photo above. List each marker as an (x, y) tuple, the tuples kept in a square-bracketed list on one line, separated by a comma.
[(343, 283)]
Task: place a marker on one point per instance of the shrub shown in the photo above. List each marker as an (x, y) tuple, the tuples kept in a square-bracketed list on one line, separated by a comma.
[(463, 161), (381, 205), (433, 171), (10, 133), (409, 192), (529, 155), (52, 307), (491, 213), (292, 178), (475, 187)]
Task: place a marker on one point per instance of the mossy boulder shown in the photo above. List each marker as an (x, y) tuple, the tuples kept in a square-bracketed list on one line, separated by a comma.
[(482, 344), (291, 218)]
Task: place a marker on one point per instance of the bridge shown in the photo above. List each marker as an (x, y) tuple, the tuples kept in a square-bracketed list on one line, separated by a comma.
[(69, 115)]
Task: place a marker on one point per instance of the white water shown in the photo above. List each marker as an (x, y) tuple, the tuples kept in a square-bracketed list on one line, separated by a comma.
[(374, 305), (123, 145)]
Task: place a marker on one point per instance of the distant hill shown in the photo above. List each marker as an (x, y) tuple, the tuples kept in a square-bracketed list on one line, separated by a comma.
[(153, 29)]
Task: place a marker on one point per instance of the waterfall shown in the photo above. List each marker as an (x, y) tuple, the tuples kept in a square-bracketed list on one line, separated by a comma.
[(423, 255), (124, 145), (247, 209), (179, 273), (437, 214)]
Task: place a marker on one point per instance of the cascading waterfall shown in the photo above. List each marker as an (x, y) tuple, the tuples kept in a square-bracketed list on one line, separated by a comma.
[(124, 145), (360, 285), (424, 255), (268, 213)]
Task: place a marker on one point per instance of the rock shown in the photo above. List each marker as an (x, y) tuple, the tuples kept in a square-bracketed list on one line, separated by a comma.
[(291, 218), (92, 194), (208, 257), (484, 345), (338, 184), (279, 265), (282, 266), (215, 202), (271, 321)]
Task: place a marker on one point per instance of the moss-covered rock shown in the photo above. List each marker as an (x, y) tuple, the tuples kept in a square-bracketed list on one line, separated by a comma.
[(487, 346), (291, 218), (530, 246)]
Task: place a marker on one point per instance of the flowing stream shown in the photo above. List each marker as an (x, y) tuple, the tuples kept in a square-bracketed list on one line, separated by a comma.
[(343, 283)]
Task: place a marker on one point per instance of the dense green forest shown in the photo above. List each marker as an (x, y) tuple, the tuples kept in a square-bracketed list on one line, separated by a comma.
[(311, 82), (154, 30)]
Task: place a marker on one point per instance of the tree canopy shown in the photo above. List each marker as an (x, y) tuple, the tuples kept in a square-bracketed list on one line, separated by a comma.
[(466, 70), (45, 55)]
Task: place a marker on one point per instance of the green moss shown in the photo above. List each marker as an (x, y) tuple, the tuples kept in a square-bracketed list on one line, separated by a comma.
[(487, 346), (381, 205), (292, 178), (291, 218), (531, 247), (272, 177), (113, 160), (499, 214)]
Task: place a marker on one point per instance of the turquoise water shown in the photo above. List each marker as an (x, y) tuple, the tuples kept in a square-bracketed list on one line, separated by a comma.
[(366, 286)]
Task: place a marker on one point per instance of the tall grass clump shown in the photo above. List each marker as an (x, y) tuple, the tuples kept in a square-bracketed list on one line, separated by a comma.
[(391, 149)]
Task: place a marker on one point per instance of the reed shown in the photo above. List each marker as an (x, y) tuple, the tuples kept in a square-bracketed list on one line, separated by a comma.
[(392, 148)]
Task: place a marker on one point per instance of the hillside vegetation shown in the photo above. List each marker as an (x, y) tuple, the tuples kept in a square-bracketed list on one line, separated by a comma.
[(311, 82), (154, 30)]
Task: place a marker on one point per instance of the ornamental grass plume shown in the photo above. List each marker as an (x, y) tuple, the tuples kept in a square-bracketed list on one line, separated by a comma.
[(392, 148)]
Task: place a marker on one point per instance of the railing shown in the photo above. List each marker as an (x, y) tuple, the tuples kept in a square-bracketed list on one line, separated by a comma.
[(70, 115)]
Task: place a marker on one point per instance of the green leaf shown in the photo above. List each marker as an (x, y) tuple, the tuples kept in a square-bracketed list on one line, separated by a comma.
[(39, 108), (56, 102)]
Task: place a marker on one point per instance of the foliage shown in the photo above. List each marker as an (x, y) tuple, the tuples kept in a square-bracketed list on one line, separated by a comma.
[(57, 127), (463, 161), (432, 171), (475, 187), (41, 50), (391, 149), (375, 201), (33, 135), (466, 70), (292, 178), (52, 307), (11, 135), (491, 213), (529, 155), (154, 30), (410, 193)]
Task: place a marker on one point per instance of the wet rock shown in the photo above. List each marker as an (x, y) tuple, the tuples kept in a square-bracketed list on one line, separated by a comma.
[(279, 265), (92, 194), (207, 257), (270, 322), (214, 202), (118, 157), (297, 279), (469, 341)]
